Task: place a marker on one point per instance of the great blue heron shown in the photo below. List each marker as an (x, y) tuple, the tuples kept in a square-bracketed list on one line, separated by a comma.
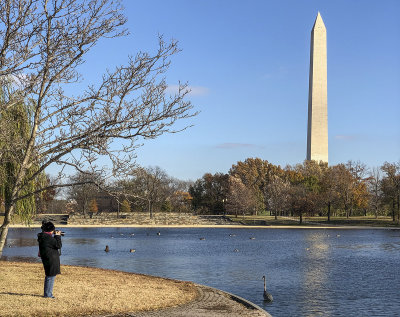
[(267, 296)]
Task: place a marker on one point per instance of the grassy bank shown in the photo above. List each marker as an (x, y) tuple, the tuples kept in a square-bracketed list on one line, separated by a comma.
[(315, 221), (83, 291)]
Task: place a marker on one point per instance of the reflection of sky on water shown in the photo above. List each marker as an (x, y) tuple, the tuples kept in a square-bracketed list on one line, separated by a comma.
[(309, 272), (315, 274)]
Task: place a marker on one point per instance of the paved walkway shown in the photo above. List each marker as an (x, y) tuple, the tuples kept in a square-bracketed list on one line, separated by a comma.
[(210, 303)]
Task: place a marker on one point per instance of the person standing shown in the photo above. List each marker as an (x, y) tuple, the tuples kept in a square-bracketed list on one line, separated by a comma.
[(49, 245)]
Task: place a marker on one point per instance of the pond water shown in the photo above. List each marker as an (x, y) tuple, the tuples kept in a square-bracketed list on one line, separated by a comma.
[(312, 272)]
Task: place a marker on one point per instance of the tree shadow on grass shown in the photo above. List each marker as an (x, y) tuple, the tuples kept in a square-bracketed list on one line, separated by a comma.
[(20, 294)]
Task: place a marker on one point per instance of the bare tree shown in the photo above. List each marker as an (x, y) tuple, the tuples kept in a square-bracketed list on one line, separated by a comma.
[(148, 187), (374, 187), (42, 45), (391, 187), (86, 191)]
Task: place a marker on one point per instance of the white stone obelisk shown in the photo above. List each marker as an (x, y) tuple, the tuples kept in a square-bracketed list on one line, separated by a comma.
[(317, 133)]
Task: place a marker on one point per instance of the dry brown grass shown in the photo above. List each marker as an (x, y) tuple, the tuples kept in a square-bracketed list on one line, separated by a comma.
[(81, 291)]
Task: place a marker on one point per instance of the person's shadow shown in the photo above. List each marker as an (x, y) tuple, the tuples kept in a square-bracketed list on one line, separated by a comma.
[(19, 294)]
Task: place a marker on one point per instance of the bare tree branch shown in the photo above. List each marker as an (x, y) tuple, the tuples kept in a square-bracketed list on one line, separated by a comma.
[(42, 46)]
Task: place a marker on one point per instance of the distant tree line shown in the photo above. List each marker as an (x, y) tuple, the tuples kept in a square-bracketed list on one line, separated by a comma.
[(148, 189), (251, 187), (258, 186)]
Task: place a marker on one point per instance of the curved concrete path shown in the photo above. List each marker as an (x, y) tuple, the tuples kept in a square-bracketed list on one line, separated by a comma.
[(211, 302)]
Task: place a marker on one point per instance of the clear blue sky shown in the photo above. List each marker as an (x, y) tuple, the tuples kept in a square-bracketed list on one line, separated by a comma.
[(247, 63)]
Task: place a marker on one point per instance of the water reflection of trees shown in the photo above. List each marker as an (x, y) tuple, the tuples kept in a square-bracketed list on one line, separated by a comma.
[(87, 241), (20, 258), (22, 242)]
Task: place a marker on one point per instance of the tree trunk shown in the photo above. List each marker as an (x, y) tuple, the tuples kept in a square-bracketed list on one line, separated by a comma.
[(276, 215), (301, 217), (393, 209), (329, 211), (4, 227), (376, 212), (150, 210), (3, 236)]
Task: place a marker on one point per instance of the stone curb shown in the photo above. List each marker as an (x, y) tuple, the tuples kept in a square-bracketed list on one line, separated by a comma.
[(212, 302), (239, 299)]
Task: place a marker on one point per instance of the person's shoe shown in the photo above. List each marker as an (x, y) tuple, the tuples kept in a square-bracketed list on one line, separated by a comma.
[(48, 296)]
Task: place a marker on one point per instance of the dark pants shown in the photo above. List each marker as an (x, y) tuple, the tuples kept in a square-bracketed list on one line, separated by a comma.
[(48, 286)]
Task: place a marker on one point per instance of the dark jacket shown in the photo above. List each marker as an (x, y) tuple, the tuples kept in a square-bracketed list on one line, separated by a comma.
[(48, 250)]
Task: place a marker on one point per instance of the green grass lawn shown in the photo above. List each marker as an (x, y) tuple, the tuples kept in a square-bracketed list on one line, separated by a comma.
[(356, 221)]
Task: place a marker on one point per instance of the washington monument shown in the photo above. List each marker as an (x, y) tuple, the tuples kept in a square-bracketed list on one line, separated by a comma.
[(317, 130)]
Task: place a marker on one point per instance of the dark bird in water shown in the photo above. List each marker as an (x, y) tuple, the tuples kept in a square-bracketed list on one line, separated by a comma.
[(252, 238), (267, 296), (202, 238), (159, 233), (232, 235), (107, 248), (132, 250)]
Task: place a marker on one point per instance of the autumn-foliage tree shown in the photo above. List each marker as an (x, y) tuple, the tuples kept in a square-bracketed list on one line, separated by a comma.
[(311, 188), (329, 193), (278, 193), (93, 208), (302, 200), (240, 199), (256, 174), (42, 46), (360, 193), (180, 201), (344, 184)]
